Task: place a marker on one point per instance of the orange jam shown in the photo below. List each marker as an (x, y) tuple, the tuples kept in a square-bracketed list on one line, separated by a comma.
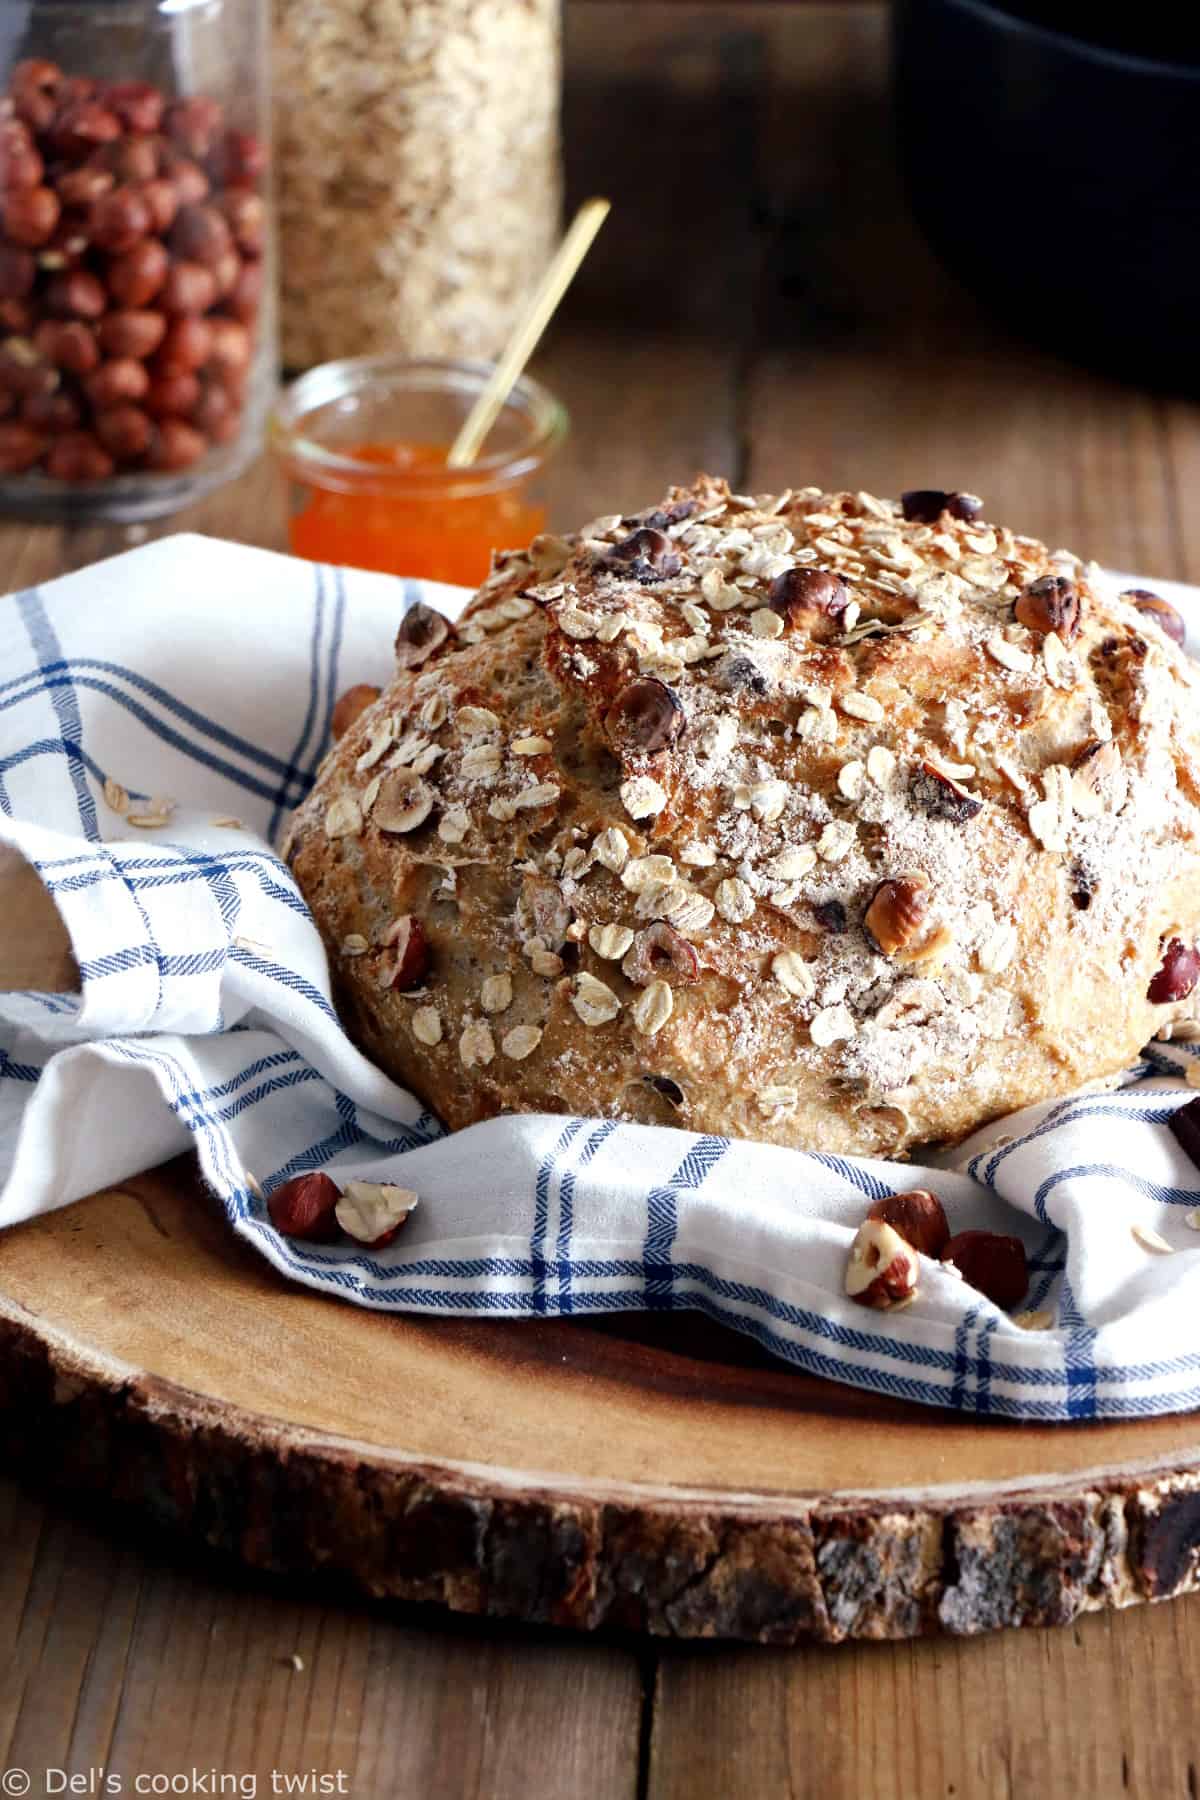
[(441, 535)]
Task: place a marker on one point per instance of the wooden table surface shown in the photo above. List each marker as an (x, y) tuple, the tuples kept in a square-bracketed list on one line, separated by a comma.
[(760, 306)]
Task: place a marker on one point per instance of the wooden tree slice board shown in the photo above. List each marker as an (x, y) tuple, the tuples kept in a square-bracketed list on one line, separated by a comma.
[(658, 1475)]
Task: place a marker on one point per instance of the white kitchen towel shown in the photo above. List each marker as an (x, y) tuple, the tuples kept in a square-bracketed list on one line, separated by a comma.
[(206, 673)]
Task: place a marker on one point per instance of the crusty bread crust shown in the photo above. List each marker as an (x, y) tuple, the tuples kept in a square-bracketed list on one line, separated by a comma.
[(477, 849)]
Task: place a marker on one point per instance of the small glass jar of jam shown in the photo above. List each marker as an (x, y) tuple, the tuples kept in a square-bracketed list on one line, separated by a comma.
[(137, 329), (364, 444)]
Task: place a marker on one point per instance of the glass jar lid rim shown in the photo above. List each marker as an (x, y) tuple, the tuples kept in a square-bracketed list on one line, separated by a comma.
[(328, 382)]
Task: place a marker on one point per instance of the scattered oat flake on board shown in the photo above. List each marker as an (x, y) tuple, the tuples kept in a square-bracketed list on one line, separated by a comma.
[(1192, 1219), (115, 795), (227, 822), (1150, 1240), (1038, 1319)]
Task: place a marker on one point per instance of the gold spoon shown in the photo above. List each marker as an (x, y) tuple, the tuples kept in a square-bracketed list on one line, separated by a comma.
[(521, 345)]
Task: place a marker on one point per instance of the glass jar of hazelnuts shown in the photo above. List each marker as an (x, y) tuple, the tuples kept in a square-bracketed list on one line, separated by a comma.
[(137, 318)]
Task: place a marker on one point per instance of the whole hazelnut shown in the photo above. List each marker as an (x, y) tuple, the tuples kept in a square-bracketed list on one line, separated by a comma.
[(69, 345), (20, 164), (29, 215), (189, 288), (66, 249), (135, 278), (200, 234), (83, 187), (75, 295), (136, 333), (130, 159), (898, 911), (138, 105), (18, 272), (16, 316), (646, 555), (881, 1270), (991, 1262), (216, 415), (78, 457), (187, 346), (194, 124), (161, 200), (81, 126), (247, 216), (118, 221), (809, 599), (1153, 606), (175, 446), (239, 160), (304, 1208), (646, 716), (350, 706), (124, 431), (226, 272), (20, 447), (24, 369), (172, 396), (245, 297), (918, 1217), (122, 378), (35, 87), (190, 182), (231, 345), (1050, 604), (927, 505), (52, 413)]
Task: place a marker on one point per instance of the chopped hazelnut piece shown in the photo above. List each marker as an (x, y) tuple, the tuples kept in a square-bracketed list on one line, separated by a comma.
[(404, 802), (372, 1212), (898, 911)]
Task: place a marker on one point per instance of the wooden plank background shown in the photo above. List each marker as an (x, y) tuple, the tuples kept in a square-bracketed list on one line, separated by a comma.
[(760, 306)]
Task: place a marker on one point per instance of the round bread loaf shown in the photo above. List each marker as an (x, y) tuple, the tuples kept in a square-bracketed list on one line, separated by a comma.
[(838, 822)]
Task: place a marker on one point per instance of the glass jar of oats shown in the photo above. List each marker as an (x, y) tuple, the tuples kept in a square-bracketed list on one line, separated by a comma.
[(418, 172)]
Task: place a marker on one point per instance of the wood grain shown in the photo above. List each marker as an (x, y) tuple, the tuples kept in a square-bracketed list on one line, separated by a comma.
[(115, 1656), (809, 333)]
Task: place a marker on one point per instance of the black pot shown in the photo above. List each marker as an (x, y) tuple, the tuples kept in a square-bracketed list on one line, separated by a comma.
[(1060, 179)]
